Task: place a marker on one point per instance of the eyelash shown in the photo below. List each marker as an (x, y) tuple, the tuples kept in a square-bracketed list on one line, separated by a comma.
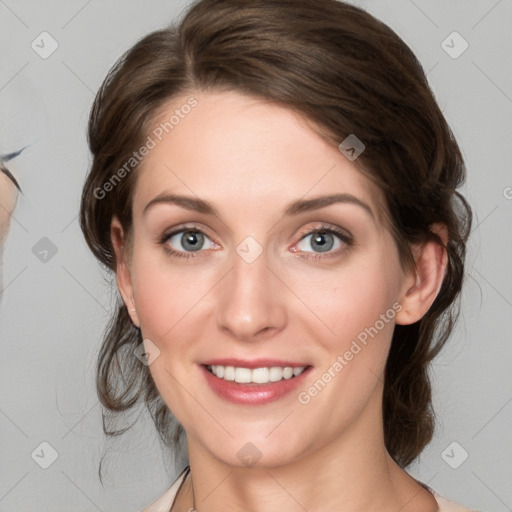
[(179, 254), (345, 238), (324, 229)]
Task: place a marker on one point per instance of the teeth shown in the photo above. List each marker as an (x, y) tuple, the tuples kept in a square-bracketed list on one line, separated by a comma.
[(276, 374), (259, 375), (229, 372), (288, 372), (242, 375), (256, 375)]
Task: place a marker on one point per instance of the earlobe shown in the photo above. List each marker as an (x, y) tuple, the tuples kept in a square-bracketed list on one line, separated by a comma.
[(123, 278), (423, 282)]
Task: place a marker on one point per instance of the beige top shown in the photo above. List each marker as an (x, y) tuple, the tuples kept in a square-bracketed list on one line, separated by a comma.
[(166, 501)]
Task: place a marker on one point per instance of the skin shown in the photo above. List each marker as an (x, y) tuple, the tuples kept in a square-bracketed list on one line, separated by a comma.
[(250, 159), (8, 196)]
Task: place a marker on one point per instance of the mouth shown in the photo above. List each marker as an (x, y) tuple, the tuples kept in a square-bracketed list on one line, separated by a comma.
[(254, 383), (262, 375)]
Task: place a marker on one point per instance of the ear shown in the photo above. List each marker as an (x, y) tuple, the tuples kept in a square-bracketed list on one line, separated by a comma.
[(422, 283), (124, 282)]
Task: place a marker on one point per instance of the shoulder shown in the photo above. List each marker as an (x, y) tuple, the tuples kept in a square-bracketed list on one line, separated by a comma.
[(445, 505), (166, 500)]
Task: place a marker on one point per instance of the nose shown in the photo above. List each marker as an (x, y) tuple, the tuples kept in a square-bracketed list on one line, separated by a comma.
[(250, 302)]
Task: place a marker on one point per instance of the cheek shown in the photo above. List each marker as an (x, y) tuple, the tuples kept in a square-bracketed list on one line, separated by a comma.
[(354, 304), (7, 203), (358, 306), (168, 298), (168, 301)]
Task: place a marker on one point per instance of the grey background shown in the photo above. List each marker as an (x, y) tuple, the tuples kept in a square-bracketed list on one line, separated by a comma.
[(54, 311)]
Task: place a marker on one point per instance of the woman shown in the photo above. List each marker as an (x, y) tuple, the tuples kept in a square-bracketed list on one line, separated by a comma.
[(275, 189), (9, 189), (8, 192)]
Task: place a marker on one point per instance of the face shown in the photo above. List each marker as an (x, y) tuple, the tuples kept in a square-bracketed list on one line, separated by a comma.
[(8, 195), (236, 261)]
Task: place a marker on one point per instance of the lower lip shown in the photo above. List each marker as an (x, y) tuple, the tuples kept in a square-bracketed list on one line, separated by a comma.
[(253, 394)]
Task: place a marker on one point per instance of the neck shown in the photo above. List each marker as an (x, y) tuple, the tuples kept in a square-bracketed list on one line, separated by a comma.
[(350, 472)]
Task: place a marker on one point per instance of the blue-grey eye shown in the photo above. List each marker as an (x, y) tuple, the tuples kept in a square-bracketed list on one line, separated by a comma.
[(189, 241), (319, 241)]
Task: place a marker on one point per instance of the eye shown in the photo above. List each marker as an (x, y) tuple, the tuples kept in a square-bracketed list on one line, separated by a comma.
[(189, 241), (319, 241), (186, 241), (323, 240)]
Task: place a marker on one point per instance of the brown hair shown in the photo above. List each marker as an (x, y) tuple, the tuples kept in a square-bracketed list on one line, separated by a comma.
[(348, 73)]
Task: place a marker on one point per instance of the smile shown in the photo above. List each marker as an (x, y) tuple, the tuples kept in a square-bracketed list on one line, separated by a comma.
[(256, 375), (258, 385)]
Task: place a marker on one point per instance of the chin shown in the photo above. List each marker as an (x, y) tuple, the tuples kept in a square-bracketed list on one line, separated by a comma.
[(258, 450)]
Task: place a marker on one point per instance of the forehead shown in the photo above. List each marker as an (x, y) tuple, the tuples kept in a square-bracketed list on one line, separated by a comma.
[(236, 150)]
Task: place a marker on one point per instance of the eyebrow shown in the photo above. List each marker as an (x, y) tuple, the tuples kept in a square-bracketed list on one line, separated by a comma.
[(295, 208)]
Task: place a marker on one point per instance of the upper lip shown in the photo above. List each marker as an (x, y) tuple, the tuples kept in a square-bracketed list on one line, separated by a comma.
[(254, 363)]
